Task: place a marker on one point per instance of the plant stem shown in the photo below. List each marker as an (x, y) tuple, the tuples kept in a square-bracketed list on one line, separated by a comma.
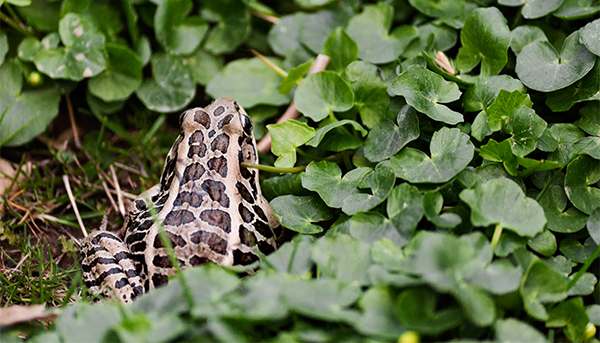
[(15, 23), (584, 268), (274, 169), (496, 236)]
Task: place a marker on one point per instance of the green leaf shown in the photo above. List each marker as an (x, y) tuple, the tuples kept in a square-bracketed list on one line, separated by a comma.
[(122, 76), (541, 285), (589, 36), (324, 299), (250, 82), (370, 30), (41, 15), (526, 127), (79, 323), (571, 315), (581, 172), (419, 310), (387, 138), (588, 145), (576, 9), (432, 205), (326, 179), (536, 9), (378, 317), (523, 35), (500, 152), (203, 66), (544, 243), (540, 67), (565, 135), (500, 277), (574, 251), (479, 128), (341, 49), (590, 118), (380, 182), (405, 209), (320, 133), (24, 115), (294, 77), (485, 37), (343, 258), (286, 137), (372, 227), (451, 152), (321, 93), (426, 91), (554, 202), (593, 226), (502, 202), (293, 257), (318, 26), (283, 36), (312, 3), (82, 57), (431, 36), (208, 285), (486, 91), (585, 89), (583, 286), (504, 107), (370, 91), (26, 51), (299, 212), (171, 87), (177, 33), (436, 9), (233, 25), (512, 330)]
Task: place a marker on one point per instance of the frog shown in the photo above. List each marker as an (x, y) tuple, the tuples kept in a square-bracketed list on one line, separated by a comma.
[(208, 202)]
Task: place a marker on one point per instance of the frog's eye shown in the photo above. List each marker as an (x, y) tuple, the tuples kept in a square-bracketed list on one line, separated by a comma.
[(181, 118), (246, 125)]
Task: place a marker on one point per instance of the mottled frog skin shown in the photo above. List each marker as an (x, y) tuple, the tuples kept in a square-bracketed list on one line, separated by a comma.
[(209, 205)]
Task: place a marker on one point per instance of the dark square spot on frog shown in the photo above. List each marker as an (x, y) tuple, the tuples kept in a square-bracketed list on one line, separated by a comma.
[(190, 198), (219, 110), (243, 257), (244, 192), (140, 205), (245, 213), (202, 117), (263, 228), (197, 260), (225, 121), (216, 243), (218, 218), (218, 164), (161, 261), (216, 192), (197, 147), (265, 247), (192, 172), (176, 241), (220, 143), (159, 279), (260, 213), (247, 237), (179, 217)]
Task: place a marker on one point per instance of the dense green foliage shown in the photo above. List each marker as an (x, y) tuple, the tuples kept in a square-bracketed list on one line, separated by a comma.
[(454, 205)]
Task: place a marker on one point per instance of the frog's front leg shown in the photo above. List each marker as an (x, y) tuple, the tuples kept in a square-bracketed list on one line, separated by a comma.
[(107, 262)]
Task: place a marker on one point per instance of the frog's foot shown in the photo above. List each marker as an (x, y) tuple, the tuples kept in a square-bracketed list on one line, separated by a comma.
[(107, 266)]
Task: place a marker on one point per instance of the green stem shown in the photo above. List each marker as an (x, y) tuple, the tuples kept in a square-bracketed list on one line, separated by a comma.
[(496, 236), (274, 169), (584, 268), (15, 23)]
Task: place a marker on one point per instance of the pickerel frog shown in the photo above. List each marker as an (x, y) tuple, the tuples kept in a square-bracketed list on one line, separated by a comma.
[(209, 205)]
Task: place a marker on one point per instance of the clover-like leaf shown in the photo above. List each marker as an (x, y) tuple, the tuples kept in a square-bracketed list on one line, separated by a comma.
[(502, 202), (286, 137), (524, 35), (171, 87), (432, 206), (370, 31), (590, 118), (512, 330), (571, 315), (437, 9), (122, 76), (593, 226), (283, 36), (321, 93), (526, 128), (387, 138), (485, 37), (316, 27), (589, 36), (233, 25), (343, 258), (501, 111), (534, 9), (585, 89), (451, 152), (370, 227), (326, 179), (486, 91), (576, 9), (588, 145), (177, 33), (425, 91), (541, 284), (381, 181), (500, 152), (581, 172), (340, 145), (417, 308), (370, 91), (82, 57), (405, 208), (377, 319), (294, 77), (341, 49), (299, 212), (566, 136), (250, 82), (540, 67), (203, 66), (25, 114)]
